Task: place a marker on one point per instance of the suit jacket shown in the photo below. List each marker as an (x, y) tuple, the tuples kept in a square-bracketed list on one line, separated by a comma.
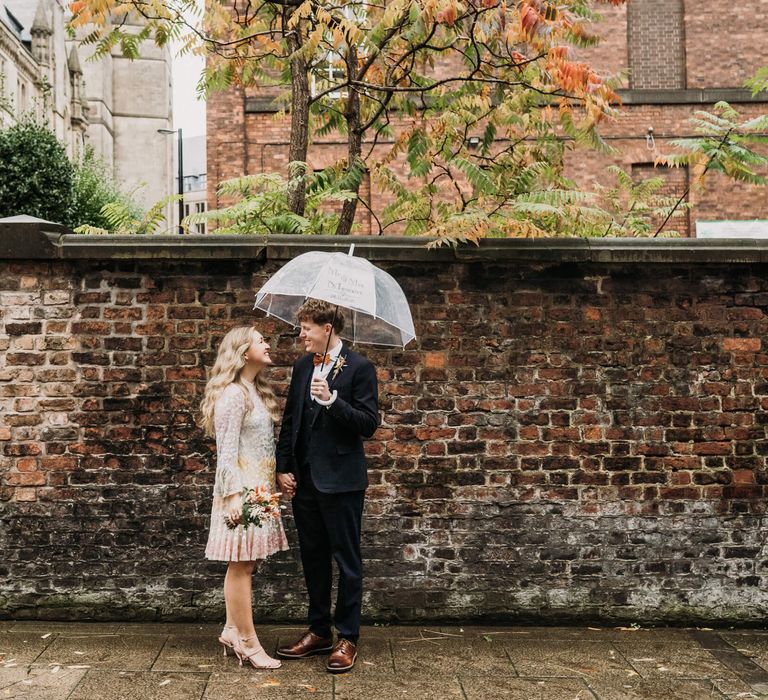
[(336, 456)]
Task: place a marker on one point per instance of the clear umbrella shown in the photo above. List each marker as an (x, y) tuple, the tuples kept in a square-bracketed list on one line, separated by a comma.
[(378, 311)]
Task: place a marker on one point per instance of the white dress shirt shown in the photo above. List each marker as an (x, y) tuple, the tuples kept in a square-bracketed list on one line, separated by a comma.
[(323, 370)]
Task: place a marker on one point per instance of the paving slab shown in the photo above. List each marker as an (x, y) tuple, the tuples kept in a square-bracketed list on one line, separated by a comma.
[(653, 658), (565, 658), (188, 628), (69, 627), (268, 685), (192, 653), (635, 687), (120, 652), (450, 655), (147, 685), (22, 648), (354, 687), (40, 683), (753, 645), (526, 689)]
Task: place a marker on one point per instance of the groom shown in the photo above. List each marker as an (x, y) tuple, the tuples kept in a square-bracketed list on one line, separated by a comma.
[(332, 405)]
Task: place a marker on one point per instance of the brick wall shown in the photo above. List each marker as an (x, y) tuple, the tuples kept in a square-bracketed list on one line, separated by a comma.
[(566, 440), (725, 41), (656, 44)]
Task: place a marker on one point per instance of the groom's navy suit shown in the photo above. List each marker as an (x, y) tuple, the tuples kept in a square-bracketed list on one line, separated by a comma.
[(323, 448)]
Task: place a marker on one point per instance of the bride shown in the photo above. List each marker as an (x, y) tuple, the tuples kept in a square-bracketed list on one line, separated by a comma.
[(238, 408)]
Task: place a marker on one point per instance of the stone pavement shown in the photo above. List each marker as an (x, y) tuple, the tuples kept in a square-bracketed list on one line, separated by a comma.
[(98, 661)]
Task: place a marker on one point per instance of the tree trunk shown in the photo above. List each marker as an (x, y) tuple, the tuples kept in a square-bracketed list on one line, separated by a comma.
[(354, 143), (297, 151)]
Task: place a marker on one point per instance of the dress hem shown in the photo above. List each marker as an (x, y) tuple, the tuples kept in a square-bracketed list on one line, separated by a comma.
[(264, 558)]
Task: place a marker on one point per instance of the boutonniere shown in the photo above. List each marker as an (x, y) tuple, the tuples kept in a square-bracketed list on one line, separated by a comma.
[(339, 366)]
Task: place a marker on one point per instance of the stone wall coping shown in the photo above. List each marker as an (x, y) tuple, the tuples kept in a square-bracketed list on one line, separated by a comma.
[(687, 96), (42, 240), (628, 96)]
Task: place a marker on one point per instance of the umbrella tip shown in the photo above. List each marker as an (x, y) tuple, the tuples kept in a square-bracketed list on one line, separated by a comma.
[(351, 249)]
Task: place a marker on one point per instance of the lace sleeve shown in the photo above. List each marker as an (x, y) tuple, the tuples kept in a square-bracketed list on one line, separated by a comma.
[(227, 420)]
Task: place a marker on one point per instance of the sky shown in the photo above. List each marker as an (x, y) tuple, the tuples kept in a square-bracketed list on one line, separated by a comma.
[(188, 110)]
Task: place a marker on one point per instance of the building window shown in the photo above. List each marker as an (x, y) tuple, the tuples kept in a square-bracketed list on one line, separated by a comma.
[(656, 42), (200, 209), (333, 70)]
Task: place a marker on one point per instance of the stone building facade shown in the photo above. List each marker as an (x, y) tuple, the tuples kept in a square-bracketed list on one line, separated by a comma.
[(113, 104), (675, 60)]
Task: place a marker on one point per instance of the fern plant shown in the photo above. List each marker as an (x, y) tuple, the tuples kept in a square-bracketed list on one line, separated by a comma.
[(634, 207), (259, 203), (725, 146), (122, 219)]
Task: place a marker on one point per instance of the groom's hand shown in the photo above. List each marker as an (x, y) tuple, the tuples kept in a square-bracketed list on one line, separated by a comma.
[(319, 389), (287, 484)]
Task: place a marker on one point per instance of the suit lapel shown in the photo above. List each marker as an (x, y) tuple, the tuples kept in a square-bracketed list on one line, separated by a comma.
[(338, 366), (302, 382)]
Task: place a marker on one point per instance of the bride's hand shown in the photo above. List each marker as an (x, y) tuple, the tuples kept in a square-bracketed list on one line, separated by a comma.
[(286, 482), (233, 505)]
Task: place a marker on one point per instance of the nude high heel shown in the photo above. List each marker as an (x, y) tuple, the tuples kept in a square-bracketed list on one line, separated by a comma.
[(242, 653), (228, 638)]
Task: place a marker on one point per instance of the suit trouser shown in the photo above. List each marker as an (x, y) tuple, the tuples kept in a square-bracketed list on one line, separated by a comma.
[(329, 526)]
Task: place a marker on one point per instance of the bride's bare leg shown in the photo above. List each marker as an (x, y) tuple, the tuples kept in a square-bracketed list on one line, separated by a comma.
[(227, 596), (238, 591), (237, 596)]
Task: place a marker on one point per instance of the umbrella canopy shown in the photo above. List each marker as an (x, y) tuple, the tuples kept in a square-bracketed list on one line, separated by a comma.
[(378, 311)]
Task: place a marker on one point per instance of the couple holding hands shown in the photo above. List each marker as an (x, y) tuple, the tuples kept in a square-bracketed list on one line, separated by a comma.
[(318, 464)]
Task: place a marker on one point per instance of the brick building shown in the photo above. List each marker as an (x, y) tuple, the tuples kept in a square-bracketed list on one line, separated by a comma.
[(675, 62)]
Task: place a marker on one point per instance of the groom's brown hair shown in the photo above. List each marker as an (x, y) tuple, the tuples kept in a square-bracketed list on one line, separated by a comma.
[(321, 312)]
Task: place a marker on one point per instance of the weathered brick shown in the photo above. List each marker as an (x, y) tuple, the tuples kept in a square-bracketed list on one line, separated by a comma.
[(498, 439), (741, 344)]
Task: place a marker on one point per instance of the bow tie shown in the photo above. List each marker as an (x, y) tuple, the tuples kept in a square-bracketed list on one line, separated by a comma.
[(319, 359)]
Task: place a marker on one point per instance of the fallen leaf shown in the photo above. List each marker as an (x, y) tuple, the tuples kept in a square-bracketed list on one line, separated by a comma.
[(56, 669), (309, 688), (595, 629), (45, 636), (268, 684), (369, 663), (165, 682), (79, 653), (487, 638)]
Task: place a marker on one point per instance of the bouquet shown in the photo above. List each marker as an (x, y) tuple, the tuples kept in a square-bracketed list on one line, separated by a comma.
[(259, 505)]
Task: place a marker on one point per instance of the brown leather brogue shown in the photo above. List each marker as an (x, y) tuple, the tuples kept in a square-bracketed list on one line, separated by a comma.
[(309, 645), (342, 657)]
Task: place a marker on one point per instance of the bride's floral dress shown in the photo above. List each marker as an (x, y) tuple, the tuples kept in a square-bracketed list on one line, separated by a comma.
[(245, 448)]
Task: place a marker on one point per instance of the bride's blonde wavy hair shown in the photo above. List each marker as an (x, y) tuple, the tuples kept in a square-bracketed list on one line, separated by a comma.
[(227, 370)]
